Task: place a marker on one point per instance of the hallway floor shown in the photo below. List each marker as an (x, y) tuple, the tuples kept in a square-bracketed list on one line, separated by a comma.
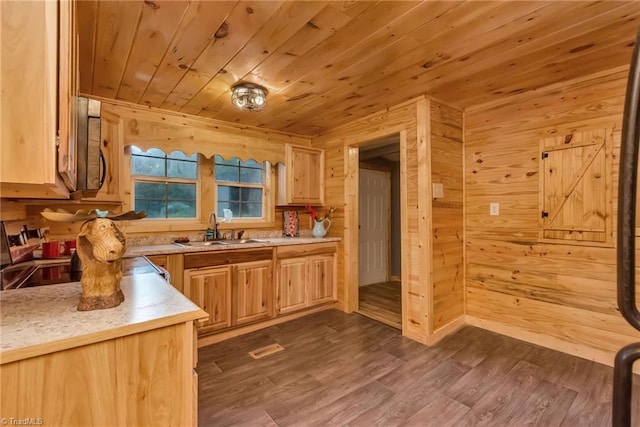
[(382, 302)]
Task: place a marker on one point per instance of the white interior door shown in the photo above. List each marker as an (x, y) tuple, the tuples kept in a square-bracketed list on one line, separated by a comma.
[(373, 237)]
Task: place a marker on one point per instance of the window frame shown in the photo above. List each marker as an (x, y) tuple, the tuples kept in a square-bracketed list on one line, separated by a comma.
[(206, 201), (262, 186)]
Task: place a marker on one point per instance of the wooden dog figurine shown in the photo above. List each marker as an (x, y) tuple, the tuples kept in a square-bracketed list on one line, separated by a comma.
[(101, 245)]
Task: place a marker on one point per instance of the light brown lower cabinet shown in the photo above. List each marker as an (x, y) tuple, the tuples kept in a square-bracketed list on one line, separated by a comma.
[(305, 281), (252, 291), (134, 380), (210, 289)]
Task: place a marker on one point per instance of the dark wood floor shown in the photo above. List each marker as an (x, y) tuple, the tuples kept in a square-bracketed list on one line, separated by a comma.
[(341, 369), (383, 302)]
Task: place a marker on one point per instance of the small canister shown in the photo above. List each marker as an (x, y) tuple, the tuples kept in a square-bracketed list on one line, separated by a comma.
[(290, 224)]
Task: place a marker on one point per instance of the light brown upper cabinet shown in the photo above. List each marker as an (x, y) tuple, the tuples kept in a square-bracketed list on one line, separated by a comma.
[(576, 188), (301, 178), (38, 78)]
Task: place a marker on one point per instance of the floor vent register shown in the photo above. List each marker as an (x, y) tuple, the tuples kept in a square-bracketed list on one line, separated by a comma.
[(266, 351)]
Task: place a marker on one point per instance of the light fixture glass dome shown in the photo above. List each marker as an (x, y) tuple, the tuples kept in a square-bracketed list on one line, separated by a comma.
[(249, 96)]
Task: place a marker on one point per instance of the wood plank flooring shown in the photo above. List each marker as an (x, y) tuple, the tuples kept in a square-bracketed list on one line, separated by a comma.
[(382, 302), (345, 369)]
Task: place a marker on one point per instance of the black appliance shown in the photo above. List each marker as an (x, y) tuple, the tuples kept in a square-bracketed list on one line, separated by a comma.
[(627, 188), (92, 166)]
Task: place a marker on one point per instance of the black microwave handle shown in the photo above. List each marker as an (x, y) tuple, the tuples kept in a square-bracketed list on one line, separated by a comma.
[(103, 175)]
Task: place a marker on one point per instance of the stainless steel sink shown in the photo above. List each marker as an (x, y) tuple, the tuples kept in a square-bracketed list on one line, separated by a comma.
[(222, 242), (241, 241), (209, 243)]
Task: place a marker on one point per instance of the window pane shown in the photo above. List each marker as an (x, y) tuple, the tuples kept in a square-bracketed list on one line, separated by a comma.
[(146, 190), (179, 155), (227, 173), (251, 195), (182, 209), (251, 164), (228, 193), (182, 192), (153, 208), (155, 152), (234, 206), (135, 150), (150, 166), (251, 175), (182, 169), (252, 210), (219, 160)]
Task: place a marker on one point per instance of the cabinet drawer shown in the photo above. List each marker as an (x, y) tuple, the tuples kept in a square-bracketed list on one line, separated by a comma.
[(293, 251), (217, 258)]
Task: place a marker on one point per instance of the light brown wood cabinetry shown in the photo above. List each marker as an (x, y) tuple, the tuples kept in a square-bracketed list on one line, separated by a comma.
[(301, 178), (233, 287), (210, 289), (38, 79), (292, 284), (322, 281), (253, 291), (140, 379), (306, 276)]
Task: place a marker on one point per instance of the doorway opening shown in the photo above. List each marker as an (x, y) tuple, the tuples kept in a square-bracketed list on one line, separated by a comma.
[(379, 231)]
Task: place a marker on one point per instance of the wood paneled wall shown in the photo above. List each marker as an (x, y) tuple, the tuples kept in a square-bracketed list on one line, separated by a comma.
[(558, 295), (447, 268), (430, 134)]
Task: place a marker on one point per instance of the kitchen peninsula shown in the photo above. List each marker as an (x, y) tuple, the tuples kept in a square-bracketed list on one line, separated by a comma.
[(129, 365)]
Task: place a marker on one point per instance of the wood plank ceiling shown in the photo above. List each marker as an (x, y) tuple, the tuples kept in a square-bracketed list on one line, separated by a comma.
[(326, 63)]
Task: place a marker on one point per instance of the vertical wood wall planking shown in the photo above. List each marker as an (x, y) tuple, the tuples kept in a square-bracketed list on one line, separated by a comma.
[(447, 267), (559, 295), (414, 120)]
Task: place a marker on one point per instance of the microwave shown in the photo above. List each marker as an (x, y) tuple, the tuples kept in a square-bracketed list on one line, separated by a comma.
[(91, 167)]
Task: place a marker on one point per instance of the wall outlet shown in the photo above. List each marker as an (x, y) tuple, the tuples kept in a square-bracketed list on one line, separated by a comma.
[(437, 190), (494, 209)]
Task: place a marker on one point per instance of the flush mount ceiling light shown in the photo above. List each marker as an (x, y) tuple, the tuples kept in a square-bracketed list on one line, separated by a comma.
[(248, 96)]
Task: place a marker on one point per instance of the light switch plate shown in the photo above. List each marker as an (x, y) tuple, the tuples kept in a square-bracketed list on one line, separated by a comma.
[(494, 209), (437, 190)]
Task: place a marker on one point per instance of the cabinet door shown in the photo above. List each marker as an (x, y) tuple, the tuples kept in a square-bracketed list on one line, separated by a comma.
[(322, 280), (253, 291), (67, 92), (292, 284), (210, 289), (301, 179), (28, 77)]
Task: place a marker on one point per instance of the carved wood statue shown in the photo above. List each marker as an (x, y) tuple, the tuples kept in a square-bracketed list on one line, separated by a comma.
[(101, 245)]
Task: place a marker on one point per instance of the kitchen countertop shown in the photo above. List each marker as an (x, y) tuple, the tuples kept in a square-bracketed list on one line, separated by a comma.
[(42, 320), (174, 248)]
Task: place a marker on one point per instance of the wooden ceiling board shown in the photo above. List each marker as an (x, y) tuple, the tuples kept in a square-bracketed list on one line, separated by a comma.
[(283, 24), (243, 22), (407, 63), (326, 63), (565, 60), (157, 27), (196, 30), (317, 84), (116, 26)]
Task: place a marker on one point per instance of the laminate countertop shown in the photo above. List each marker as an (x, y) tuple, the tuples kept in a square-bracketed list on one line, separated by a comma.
[(44, 319), (178, 248)]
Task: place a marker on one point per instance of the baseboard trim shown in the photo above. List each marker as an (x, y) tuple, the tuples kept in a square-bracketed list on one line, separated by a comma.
[(236, 332), (579, 350), (446, 330)]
